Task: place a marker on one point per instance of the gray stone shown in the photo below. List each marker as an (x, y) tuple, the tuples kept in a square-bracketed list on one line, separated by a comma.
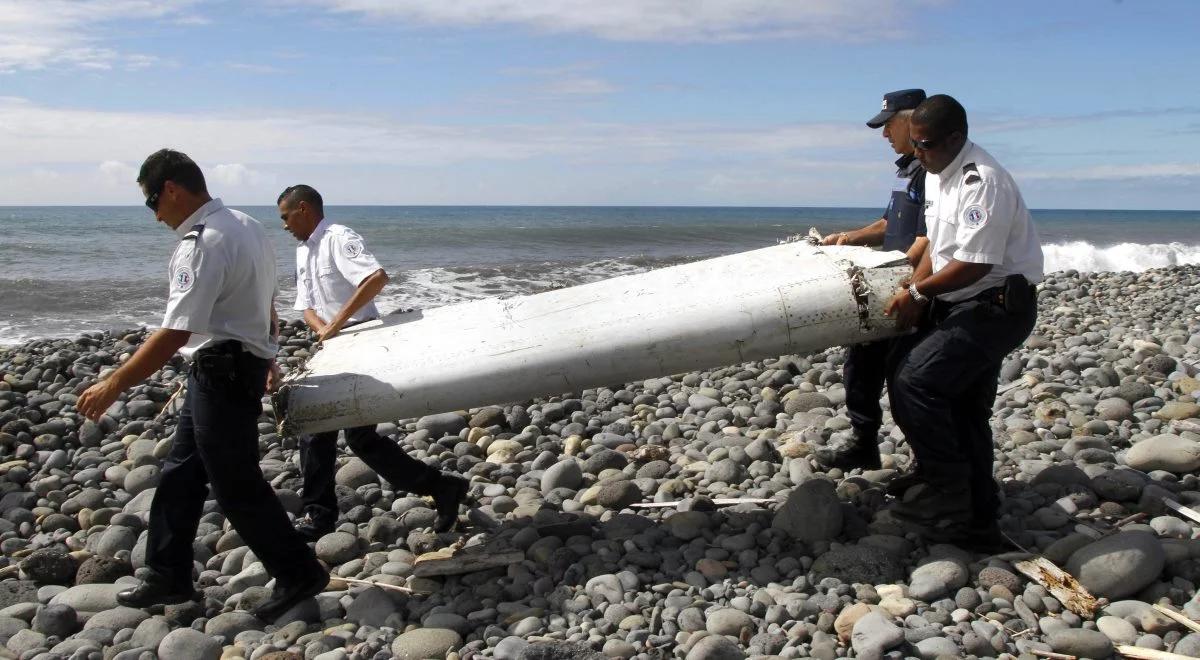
[(141, 479), (189, 644), (150, 632), (727, 471), (88, 599), (563, 474), (47, 566), (858, 564), (425, 643), (371, 607), (1117, 630), (1168, 452), (715, 647), (618, 494), (933, 647), (442, 424), (117, 618), (355, 473), (509, 648), (1119, 565), (228, 625), (337, 548), (1080, 642), (55, 621), (874, 633), (936, 578), (115, 539), (812, 512), (1114, 409), (727, 621)]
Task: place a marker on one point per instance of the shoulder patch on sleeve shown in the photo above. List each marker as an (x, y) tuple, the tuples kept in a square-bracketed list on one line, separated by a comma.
[(183, 279), (352, 248), (974, 216)]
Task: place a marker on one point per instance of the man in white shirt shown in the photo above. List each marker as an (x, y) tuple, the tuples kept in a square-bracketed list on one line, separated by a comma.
[(337, 280), (222, 286), (974, 296)]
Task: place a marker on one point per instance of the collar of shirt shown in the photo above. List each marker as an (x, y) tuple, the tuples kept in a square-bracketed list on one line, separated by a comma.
[(906, 165), (951, 172), (315, 237), (211, 206)]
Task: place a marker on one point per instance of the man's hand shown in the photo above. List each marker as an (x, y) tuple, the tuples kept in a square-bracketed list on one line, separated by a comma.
[(840, 238), (330, 330), (907, 312), (97, 398), (274, 377)]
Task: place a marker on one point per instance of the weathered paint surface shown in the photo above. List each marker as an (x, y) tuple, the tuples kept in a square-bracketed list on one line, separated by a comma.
[(789, 298)]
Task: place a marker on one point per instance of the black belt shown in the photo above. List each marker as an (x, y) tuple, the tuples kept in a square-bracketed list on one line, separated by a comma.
[(225, 358), (997, 295)]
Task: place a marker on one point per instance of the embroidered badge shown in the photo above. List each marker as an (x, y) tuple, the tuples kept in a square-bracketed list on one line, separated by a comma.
[(184, 278), (352, 249), (974, 216), (884, 103)]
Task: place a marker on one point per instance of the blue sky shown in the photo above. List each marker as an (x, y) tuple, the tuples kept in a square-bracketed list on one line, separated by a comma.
[(1090, 103)]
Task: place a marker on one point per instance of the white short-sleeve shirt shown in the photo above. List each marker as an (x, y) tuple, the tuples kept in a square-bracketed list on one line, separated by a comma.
[(329, 267), (974, 213), (222, 279)]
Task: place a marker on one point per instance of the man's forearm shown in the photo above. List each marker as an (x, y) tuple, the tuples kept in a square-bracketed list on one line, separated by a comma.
[(313, 320), (956, 275), (870, 235), (150, 357), (365, 293)]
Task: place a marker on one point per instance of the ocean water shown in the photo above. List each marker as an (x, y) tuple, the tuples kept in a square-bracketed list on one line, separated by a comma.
[(67, 270)]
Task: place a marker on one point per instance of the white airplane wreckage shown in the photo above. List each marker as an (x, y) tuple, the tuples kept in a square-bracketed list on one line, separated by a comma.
[(795, 297)]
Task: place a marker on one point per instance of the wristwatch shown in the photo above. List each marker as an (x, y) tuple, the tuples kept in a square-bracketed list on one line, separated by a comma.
[(916, 295)]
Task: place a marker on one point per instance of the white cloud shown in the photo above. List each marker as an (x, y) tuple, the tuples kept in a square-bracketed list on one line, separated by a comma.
[(251, 67), (236, 175), (1115, 172), (657, 20), (118, 174), (38, 34)]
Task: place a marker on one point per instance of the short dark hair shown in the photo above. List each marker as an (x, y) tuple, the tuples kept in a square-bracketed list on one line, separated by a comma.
[(302, 193), (941, 113), (169, 165)]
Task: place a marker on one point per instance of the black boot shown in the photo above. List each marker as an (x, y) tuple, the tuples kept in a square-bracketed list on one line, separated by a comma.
[(942, 503), (900, 483), (448, 493), (861, 451), (312, 528)]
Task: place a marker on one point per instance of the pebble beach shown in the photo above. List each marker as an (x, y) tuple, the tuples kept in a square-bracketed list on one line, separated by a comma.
[(1097, 427)]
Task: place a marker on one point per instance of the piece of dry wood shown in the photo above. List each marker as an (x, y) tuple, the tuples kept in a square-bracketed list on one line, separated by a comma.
[(1178, 616), (167, 405), (456, 561), (381, 585), (1137, 517), (1061, 584), (1139, 653), (720, 501), (1052, 655), (1182, 510)]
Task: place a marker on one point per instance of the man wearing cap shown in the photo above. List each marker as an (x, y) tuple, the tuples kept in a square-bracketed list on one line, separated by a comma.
[(974, 299), (901, 227)]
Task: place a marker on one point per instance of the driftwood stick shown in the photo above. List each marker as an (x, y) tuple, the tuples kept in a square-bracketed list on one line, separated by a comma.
[(720, 501), (1052, 655), (1178, 617), (381, 585), (1061, 584), (1139, 653)]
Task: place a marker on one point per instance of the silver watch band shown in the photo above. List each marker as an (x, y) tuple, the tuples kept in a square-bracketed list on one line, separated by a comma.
[(916, 295)]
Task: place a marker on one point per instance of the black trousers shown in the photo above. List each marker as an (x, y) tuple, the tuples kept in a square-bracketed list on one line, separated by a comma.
[(216, 444), (863, 373), (944, 385), (319, 451)]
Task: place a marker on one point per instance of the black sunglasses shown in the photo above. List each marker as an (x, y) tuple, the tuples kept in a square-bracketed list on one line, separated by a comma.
[(152, 200), (926, 145)]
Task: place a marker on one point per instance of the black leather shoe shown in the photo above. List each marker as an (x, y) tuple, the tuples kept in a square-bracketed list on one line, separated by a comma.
[(154, 592), (448, 494), (900, 483), (284, 598)]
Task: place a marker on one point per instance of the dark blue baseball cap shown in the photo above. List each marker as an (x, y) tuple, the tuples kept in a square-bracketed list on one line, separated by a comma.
[(893, 102)]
